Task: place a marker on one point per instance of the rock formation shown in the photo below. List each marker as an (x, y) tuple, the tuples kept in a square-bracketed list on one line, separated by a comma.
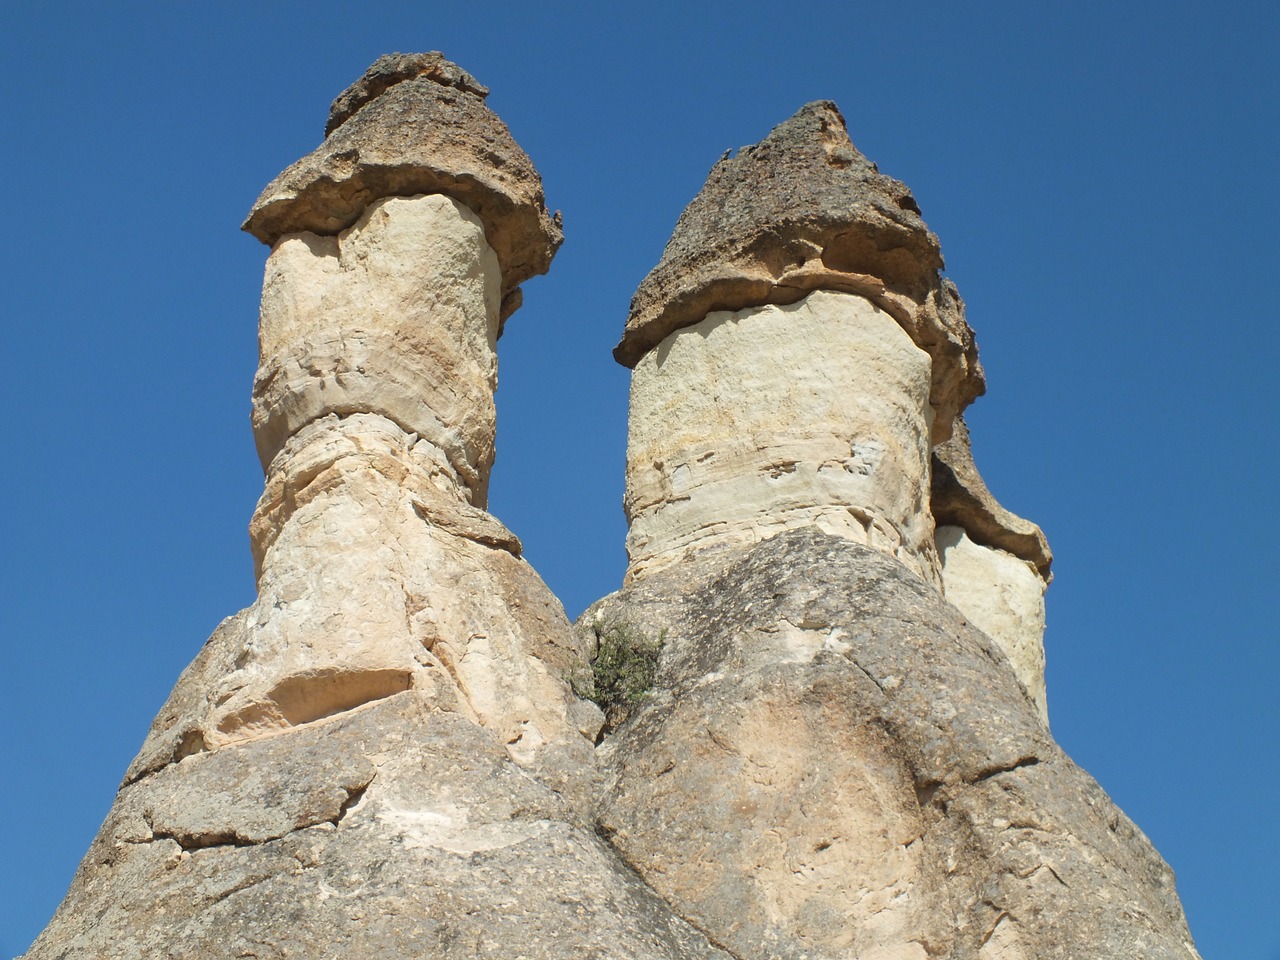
[(835, 761), (844, 750), (799, 360), (381, 757)]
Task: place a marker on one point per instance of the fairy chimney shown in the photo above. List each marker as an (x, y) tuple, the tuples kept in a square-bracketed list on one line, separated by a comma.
[(845, 750), (382, 756)]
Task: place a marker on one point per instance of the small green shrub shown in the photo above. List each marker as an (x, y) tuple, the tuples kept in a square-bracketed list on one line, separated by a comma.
[(623, 669)]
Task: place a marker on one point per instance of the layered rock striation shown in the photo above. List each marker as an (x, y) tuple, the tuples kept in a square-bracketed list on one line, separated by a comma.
[(845, 753), (799, 359)]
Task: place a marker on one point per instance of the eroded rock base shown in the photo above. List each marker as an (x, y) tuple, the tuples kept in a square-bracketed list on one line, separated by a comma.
[(399, 829)]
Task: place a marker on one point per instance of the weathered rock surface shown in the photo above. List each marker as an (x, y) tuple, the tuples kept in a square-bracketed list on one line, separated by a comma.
[(833, 763), (775, 417), (823, 410), (382, 756), (804, 210), (960, 498), (416, 123), (397, 315), (1004, 598), (400, 829), (385, 754), (995, 565)]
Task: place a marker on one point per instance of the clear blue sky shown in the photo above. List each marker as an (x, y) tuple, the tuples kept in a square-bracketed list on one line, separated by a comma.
[(1104, 180)]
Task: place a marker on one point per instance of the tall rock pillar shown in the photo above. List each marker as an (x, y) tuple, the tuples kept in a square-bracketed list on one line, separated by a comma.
[(799, 360), (835, 761), (381, 757), (795, 356)]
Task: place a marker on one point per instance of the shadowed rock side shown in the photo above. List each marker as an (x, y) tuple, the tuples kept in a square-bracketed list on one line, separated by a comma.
[(960, 498), (380, 757), (833, 763), (994, 564)]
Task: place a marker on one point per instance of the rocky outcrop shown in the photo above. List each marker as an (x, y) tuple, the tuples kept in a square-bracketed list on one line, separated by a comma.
[(775, 417), (845, 752), (416, 123), (834, 763), (382, 756)]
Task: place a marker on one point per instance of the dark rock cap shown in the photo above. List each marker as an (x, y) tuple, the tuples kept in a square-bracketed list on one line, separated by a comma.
[(799, 211), (388, 70), (417, 123), (960, 498)]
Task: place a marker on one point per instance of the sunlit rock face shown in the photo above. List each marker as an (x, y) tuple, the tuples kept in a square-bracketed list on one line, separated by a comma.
[(804, 210), (844, 752), (840, 750), (383, 755), (834, 762), (396, 315), (780, 416)]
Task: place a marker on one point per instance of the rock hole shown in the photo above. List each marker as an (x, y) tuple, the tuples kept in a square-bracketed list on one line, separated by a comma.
[(926, 790), (312, 697)]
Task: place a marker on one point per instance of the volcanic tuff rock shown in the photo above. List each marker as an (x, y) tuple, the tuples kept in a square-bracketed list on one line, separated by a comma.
[(845, 751), (415, 123), (960, 498), (780, 416), (834, 763)]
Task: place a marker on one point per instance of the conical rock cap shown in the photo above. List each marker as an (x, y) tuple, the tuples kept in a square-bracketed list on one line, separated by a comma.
[(803, 210), (415, 124)]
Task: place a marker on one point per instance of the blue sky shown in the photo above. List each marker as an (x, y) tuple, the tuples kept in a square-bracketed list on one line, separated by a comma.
[(1104, 181)]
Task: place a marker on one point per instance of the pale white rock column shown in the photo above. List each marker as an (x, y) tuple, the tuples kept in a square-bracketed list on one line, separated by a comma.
[(397, 315), (1003, 596), (995, 565), (780, 416)]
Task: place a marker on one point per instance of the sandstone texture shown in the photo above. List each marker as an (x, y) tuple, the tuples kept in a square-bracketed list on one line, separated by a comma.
[(400, 829), (834, 763), (397, 315), (823, 410), (779, 416), (845, 752), (799, 211)]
